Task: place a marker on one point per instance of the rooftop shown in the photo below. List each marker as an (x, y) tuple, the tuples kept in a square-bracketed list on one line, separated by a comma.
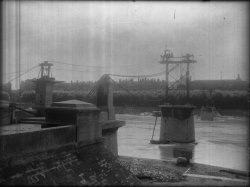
[(74, 104)]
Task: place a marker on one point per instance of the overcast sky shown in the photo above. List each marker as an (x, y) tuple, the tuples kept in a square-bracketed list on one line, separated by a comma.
[(127, 38)]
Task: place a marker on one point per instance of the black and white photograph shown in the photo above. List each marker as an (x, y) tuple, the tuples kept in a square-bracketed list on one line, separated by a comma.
[(124, 93)]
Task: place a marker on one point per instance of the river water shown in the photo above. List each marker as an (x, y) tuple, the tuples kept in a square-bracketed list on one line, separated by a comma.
[(222, 142)]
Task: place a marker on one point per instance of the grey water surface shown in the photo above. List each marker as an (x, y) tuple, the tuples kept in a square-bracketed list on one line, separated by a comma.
[(222, 142)]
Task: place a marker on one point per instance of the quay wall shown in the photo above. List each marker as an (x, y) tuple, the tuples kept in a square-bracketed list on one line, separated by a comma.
[(42, 140)]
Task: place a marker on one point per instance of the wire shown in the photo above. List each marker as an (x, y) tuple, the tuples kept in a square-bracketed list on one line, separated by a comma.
[(183, 69), (73, 70), (173, 77), (24, 73), (15, 72), (93, 90), (122, 87), (139, 76), (118, 75), (80, 65)]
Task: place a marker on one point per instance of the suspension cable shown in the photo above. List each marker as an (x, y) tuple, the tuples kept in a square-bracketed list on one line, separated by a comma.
[(24, 73), (139, 76)]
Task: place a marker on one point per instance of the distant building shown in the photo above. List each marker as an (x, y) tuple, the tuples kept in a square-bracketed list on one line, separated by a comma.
[(229, 84), (219, 84)]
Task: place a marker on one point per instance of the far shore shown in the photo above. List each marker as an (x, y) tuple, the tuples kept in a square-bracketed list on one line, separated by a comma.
[(140, 110)]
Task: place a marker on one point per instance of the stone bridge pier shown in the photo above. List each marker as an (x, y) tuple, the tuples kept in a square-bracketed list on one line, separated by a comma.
[(177, 124)]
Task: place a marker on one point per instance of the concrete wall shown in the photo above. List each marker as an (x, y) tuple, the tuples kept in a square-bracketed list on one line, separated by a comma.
[(86, 121), (21, 114), (44, 91), (177, 124), (4, 116), (175, 130), (105, 97), (110, 140), (109, 133), (44, 139), (88, 127), (61, 116)]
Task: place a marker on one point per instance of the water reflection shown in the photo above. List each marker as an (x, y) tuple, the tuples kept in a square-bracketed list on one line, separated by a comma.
[(220, 143), (169, 151)]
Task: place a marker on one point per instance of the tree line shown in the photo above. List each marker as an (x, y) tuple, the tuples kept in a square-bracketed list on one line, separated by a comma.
[(219, 99), (143, 93)]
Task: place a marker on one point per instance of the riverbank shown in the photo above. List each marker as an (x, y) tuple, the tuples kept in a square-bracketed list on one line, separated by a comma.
[(162, 172)]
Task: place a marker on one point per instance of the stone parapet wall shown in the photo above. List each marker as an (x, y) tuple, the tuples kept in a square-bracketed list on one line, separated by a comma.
[(88, 126), (177, 124), (109, 134), (42, 140), (4, 116)]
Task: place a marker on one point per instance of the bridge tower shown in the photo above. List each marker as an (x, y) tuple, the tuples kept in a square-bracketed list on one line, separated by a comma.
[(177, 123), (44, 87), (105, 97)]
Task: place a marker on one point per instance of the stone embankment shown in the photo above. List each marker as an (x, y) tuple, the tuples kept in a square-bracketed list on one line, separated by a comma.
[(163, 173), (91, 165)]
